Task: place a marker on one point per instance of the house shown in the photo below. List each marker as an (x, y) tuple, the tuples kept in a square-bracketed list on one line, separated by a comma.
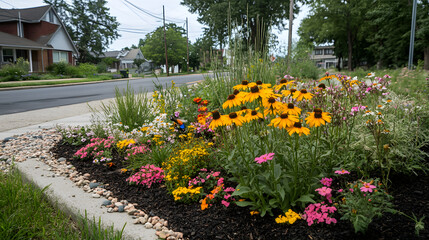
[(324, 57), (126, 59), (37, 35)]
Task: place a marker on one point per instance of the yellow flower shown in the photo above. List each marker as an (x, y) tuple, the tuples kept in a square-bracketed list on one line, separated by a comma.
[(125, 143), (256, 93), (253, 115), (231, 102), (260, 84), (271, 105), (284, 121), (317, 118), (243, 86), (217, 120), (288, 92), (298, 128), (290, 108), (283, 83), (234, 118), (299, 95)]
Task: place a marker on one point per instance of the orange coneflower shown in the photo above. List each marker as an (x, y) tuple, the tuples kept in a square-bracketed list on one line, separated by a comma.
[(288, 92), (244, 110), (299, 95), (239, 94), (243, 86), (217, 120), (285, 120), (256, 93), (231, 102), (253, 115), (283, 83), (271, 105), (290, 108), (298, 128), (260, 84), (317, 118), (234, 118)]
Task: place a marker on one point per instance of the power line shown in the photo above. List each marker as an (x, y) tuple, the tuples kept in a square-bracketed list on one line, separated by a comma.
[(134, 12), (152, 14), (8, 3)]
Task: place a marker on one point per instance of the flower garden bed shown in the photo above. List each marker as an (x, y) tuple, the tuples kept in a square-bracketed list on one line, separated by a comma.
[(411, 194), (335, 158)]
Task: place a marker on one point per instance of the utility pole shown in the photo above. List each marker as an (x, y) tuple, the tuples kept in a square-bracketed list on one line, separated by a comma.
[(413, 32), (187, 44), (165, 43), (289, 44)]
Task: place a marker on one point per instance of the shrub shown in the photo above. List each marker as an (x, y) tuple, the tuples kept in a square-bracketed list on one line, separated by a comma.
[(147, 176), (14, 72), (87, 69), (101, 67), (63, 68)]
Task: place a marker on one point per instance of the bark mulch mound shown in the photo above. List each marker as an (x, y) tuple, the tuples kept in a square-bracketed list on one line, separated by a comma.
[(411, 195)]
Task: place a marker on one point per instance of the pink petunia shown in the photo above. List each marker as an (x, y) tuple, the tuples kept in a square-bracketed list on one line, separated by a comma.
[(367, 187), (342, 171), (264, 158)]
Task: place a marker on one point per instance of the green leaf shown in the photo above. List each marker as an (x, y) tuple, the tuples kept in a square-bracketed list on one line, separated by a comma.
[(244, 203)]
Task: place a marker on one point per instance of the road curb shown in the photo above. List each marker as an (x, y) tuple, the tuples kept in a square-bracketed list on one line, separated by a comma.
[(75, 202)]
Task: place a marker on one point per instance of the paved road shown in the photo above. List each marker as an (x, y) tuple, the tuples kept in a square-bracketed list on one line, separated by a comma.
[(16, 101)]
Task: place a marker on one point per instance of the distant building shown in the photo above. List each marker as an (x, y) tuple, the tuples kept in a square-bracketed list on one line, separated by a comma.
[(36, 34), (324, 57), (126, 59)]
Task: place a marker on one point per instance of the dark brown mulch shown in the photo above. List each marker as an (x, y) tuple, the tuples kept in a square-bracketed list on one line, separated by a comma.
[(411, 195)]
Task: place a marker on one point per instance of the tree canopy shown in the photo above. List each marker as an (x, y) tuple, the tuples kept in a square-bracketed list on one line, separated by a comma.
[(153, 45), (89, 24), (254, 17), (368, 32)]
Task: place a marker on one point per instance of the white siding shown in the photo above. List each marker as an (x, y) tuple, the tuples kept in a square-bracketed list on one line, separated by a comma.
[(60, 41)]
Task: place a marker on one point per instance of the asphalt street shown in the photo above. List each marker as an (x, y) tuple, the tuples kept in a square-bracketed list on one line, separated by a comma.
[(22, 100)]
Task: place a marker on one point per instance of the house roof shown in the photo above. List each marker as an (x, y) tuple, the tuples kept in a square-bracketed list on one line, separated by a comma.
[(10, 40), (132, 54), (112, 54), (27, 14)]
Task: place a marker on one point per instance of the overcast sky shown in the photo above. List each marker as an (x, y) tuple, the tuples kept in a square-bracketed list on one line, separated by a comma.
[(134, 24)]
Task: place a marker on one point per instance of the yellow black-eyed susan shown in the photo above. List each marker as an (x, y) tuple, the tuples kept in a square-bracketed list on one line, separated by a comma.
[(231, 102), (290, 108), (317, 118), (299, 95), (284, 121), (298, 128)]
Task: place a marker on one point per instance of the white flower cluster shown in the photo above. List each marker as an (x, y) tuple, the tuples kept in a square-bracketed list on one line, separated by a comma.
[(159, 126)]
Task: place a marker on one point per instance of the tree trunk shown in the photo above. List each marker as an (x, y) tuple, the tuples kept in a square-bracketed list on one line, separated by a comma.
[(350, 50), (426, 58)]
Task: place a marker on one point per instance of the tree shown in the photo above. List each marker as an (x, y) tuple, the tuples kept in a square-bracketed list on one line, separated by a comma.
[(254, 17), (337, 22), (153, 47), (89, 24), (138, 62)]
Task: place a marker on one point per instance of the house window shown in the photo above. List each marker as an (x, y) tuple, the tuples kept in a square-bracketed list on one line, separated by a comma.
[(329, 51), (7, 55), (318, 52), (60, 56)]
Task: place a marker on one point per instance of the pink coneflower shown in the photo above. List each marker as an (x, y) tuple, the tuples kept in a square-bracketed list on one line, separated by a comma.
[(367, 187), (342, 171), (264, 158)]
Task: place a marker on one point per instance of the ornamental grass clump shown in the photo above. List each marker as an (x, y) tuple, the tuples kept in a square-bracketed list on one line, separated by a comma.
[(147, 176)]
